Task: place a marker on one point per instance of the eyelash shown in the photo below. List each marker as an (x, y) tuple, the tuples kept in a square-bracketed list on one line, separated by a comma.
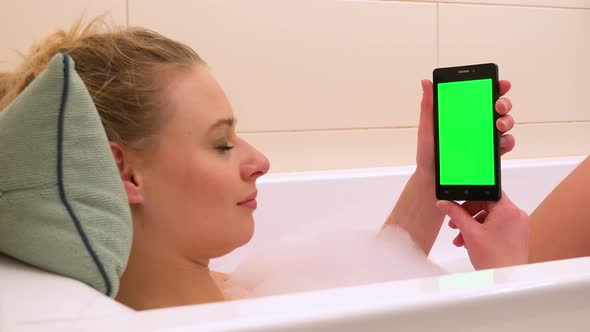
[(225, 147)]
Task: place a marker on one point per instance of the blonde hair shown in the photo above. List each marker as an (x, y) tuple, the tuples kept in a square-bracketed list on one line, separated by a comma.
[(125, 70)]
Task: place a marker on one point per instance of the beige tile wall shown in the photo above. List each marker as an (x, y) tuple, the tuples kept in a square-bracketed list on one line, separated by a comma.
[(23, 22), (544, 52), (529, 3), (320, 84)]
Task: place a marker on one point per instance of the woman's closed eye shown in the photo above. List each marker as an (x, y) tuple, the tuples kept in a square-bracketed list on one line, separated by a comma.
[(225, 127), (224, 147)]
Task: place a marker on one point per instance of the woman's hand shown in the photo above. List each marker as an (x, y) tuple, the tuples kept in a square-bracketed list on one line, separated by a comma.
[(416, 209), (425, 148), (495, 234)]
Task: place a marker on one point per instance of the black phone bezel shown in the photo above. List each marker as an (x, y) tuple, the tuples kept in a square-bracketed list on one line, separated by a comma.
[(467, 192)]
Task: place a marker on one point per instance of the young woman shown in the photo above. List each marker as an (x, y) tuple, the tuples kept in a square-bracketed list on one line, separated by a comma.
[(191, 180)]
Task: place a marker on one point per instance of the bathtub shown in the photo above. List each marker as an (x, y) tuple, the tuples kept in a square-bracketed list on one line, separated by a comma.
[(540, 297)]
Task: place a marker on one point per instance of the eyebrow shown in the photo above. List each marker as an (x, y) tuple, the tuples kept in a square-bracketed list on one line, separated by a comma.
[(230, 122)]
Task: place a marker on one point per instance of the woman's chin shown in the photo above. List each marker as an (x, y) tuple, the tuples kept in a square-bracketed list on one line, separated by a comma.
[(245, 236), (238, 240)]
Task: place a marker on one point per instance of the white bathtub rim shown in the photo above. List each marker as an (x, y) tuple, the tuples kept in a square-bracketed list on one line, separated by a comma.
[(405, 170), (389, 298), (564, 276)]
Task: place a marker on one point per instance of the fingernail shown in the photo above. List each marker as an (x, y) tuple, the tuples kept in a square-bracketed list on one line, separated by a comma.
[(443, 206), (423, 84)]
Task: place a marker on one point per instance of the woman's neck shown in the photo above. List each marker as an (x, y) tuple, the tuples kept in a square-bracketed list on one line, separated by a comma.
[(159, 278)]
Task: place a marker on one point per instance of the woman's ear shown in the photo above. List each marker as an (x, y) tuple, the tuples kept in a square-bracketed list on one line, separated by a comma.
[(127, 170)]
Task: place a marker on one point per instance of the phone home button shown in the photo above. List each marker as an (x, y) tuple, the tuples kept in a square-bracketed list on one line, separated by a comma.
[(466, 192)]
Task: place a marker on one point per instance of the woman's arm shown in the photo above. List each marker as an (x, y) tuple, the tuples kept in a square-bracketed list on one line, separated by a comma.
[(416, 209), (560, 226)]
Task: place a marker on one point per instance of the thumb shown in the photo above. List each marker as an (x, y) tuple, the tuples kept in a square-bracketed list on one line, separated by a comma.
[(463, 220)]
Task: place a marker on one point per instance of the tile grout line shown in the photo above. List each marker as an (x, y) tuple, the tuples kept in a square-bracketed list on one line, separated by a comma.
[(291, 131), (512, 5)]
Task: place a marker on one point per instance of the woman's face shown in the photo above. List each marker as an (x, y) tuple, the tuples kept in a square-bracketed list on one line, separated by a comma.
[(199, 184)]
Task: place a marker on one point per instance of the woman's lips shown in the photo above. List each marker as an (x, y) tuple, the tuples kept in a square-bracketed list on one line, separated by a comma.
[(251, 203)]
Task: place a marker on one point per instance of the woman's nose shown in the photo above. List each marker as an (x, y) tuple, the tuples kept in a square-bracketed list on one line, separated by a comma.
[(255, 166)]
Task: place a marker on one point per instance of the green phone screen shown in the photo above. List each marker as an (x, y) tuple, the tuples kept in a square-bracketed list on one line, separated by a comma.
[(466, 132)]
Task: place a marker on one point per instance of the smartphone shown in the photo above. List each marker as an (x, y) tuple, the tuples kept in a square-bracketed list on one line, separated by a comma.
[(466, 140)]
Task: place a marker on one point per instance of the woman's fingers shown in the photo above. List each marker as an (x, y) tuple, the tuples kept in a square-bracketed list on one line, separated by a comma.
[(505, 123), (504, 87), (458, 240), (460, 217), (503, 106), (507, 143)]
